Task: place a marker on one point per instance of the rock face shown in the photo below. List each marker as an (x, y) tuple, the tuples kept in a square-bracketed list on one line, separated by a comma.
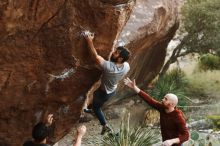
[(147, 33), (44, 61)]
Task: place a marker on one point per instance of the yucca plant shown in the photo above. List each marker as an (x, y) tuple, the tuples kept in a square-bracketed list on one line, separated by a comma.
[(127, 136), (172, 82), (177, 76), (209, 62)]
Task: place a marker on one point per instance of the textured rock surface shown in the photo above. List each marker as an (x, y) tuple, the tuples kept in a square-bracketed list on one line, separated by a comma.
[(40, 43), (147, 34), (44, 63)]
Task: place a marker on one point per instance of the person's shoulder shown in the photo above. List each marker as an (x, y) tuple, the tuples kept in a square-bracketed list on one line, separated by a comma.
[(126, 64), (179, 113), (28, 143), (105, 64), (108, 62), (42, 145)]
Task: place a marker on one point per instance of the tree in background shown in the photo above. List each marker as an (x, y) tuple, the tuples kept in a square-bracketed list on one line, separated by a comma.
[(200, 28)]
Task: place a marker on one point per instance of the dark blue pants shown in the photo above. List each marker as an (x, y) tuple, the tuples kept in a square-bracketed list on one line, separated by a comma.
[(99, 98)]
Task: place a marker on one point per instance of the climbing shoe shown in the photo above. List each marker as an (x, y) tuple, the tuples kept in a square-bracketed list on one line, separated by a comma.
[(87, 110), (105, 129)]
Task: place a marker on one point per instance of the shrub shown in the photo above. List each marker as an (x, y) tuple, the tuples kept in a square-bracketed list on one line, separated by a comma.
[(174, 82), (216, 121), (209, 62), (127, 136)]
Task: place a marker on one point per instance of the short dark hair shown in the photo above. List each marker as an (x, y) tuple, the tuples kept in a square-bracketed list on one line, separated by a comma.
[(124, 53), (40, 132)]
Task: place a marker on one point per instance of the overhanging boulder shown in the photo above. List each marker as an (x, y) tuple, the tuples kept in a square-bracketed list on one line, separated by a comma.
[(45, 66)]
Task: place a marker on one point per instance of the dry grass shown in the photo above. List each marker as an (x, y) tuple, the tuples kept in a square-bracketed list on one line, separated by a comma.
[(207, 82)]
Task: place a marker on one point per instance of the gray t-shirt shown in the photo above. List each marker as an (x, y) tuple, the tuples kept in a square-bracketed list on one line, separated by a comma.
[(112, 74)]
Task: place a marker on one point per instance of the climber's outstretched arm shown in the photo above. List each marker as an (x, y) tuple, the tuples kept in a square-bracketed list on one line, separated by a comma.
[(89, 38)]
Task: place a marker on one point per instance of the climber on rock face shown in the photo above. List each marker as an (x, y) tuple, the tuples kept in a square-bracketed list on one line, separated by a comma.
[(113, 71)]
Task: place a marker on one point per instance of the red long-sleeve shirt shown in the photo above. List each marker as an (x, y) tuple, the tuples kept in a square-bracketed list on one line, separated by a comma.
[(173, 124)]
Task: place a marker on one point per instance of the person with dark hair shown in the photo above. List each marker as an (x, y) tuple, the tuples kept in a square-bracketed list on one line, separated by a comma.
[(113, 71), (172, 121), (40, 133)]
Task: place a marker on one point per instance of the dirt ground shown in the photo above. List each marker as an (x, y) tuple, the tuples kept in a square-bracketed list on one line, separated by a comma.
[(114, 114)]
